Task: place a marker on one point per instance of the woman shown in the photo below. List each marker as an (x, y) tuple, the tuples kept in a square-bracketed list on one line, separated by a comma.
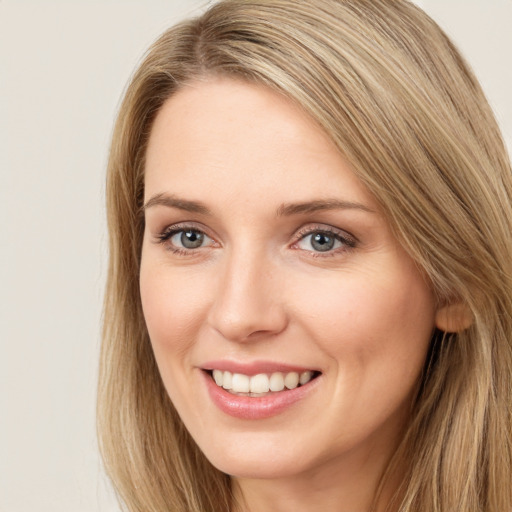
[(309, 303)]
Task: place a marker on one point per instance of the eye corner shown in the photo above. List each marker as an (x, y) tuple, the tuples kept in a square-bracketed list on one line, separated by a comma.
[(330, 241), (184, 239)]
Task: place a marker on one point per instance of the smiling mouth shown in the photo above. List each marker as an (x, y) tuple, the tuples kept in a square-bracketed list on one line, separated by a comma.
[(262, 384)]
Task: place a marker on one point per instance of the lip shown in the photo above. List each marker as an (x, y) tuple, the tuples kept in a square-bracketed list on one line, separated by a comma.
[(257, 408), (253, 368)]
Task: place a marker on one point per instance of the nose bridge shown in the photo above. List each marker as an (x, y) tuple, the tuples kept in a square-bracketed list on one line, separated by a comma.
[(247, 302)]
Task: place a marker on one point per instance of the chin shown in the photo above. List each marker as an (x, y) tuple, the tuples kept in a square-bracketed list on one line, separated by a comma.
[(258, 455), (256, 467)]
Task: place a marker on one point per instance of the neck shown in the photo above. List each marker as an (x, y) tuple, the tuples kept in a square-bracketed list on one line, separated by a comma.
[(332, 488)]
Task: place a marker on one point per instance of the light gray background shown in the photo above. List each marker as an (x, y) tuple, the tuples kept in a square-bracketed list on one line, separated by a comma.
[(63, 67)]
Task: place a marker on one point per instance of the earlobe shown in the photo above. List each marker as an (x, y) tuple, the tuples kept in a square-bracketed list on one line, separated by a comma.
[(453, 317)]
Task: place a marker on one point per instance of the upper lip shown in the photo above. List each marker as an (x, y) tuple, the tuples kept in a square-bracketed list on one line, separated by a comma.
[(254, 367)]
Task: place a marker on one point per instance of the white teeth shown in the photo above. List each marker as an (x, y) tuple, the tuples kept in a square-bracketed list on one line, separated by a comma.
[(261, 383), (240, 383), (276, 382), (305, 377), (217, 377), (227, 380), (291, 381)]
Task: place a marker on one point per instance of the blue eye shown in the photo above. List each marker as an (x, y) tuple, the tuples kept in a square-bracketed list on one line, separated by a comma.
[(324, 241), (184, 239), (188, 239), (320, 242)]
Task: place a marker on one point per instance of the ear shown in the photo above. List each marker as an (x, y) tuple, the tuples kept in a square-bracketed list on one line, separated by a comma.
[(454, 317)]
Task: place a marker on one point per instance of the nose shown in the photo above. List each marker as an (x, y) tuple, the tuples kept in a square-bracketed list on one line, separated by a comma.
[(248, 302)]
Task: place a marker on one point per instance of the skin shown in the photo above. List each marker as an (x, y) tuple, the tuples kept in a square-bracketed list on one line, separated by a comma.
[(257, 289)]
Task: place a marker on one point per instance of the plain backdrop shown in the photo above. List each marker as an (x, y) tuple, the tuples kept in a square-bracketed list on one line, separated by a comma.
[(63, 67)]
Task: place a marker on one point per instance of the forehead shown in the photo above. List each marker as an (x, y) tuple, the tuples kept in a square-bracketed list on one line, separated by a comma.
[(244, 136)]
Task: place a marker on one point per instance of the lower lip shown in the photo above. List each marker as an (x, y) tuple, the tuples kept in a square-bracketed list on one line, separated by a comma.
[(257, 408)]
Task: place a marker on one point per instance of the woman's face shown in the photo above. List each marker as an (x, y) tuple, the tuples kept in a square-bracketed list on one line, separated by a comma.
[(265, 264)]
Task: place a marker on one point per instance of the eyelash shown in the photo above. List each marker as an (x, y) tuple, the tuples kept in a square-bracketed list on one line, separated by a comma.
[(347, 240), (165, 236)]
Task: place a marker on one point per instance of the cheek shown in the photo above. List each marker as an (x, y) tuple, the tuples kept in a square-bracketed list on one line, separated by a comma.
[(371, 324), (172, 306)]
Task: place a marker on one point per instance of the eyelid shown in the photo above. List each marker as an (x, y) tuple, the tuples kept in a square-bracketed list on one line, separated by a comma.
[(164, 236), (349, 240)]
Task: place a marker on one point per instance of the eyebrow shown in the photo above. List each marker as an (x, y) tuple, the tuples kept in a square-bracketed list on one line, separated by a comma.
[(318, 205), (284, 210), (172, 201)]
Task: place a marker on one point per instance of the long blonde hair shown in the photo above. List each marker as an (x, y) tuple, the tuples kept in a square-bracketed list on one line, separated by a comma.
[(396, 97)]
